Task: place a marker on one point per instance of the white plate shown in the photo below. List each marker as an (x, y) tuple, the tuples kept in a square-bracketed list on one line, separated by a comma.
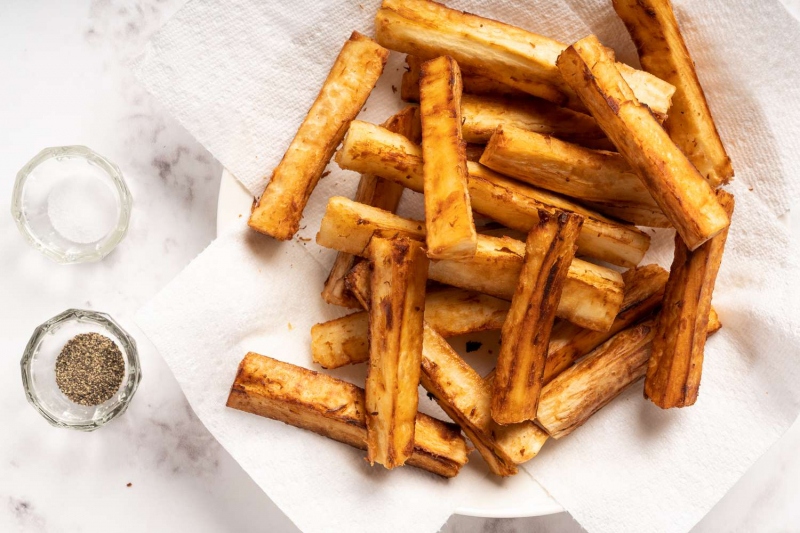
[(523, 497)]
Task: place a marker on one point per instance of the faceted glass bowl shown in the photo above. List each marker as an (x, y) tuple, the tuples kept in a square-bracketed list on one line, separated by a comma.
[(45, 187), (39, 375)]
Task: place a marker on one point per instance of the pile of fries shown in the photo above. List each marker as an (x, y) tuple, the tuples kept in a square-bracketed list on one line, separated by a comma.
[(559, 143)]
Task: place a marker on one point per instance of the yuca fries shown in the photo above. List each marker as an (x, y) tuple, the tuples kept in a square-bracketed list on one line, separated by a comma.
[(570, 399), (663, 52), (673, 375), (448, 215), (449, 311), (370, 148), (683, 195), (591, 297), (549, 250), (375, 191), (603, 179), (513, 56), (466, 398), (399, 275), (349, 83), (335, 409), (473, 83)]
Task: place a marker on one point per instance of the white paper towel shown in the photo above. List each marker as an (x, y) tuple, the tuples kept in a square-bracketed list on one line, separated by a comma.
[(241, 75)]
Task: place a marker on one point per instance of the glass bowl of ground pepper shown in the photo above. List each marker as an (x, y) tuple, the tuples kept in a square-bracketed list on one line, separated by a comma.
[(80, 369)]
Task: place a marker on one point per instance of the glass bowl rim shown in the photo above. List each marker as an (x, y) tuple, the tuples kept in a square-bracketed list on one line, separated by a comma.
[(133, 371), (112, 171)]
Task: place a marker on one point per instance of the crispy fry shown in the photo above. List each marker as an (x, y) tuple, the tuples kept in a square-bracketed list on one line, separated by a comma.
[(466, 398), (335, 409), (683, 195), (483, 114), (602, 178), (473, 83), (397, 302), (375, 191), (448, 215), (673, 374), (591, 297), (513, 56), (663, 52), (570, 399), (349, 83), (448, 310), (370, 148), (549, 250)]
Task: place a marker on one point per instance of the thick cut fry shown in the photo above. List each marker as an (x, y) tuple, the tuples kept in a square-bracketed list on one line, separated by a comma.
[(484, 114), (673, 375), (448, 215), (335, 409), (644, 289), (449, 311), (466, 398), (576, 394), (663, 52), (549, 250), (397, 302), (473, 83), (370, 148), (513, 56), (591, 297), (683, 195), (349, 83), (375, 191), (602, 178)]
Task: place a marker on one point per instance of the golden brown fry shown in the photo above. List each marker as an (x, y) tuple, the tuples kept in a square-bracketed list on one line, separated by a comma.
[(349, 83), (549, 250), (644, 289), (570, 399), (370, 148), (466, 398), (602, 178), (335, 409), (473, 83), (663, 52), (483, 114), (673, 375), (448, 215), (397, 303), (449, 311), (485, 47), (591, 297), (683, 195), (375, 191)]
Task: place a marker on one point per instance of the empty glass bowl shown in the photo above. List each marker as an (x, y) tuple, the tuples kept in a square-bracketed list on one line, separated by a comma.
[(39, 370), (72, 204)]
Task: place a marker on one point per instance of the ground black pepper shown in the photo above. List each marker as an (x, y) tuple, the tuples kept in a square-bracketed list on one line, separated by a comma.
[(90, 369)]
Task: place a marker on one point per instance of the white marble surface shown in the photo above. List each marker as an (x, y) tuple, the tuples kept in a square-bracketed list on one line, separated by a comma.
[(64, 80)]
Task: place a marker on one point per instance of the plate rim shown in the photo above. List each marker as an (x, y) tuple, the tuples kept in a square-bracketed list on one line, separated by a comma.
[(232, 197)]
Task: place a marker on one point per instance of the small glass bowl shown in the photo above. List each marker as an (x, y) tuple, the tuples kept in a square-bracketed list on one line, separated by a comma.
[(39, 374), (71, 204)]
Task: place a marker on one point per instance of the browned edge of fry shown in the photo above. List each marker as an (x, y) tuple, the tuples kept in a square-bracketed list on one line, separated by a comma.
[(549, 250), (675, 368)]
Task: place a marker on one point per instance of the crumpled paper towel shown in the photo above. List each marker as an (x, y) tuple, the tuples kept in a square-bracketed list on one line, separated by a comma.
[(241, 75)]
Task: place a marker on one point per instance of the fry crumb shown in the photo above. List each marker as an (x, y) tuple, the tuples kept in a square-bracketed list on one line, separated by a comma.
[(750, 189), (326, 173), (473, 346), (394, 89), (290, 326), (304, 239), (129, 484)]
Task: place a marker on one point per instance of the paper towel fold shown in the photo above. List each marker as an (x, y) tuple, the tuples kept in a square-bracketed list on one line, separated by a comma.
[(241, 75)]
